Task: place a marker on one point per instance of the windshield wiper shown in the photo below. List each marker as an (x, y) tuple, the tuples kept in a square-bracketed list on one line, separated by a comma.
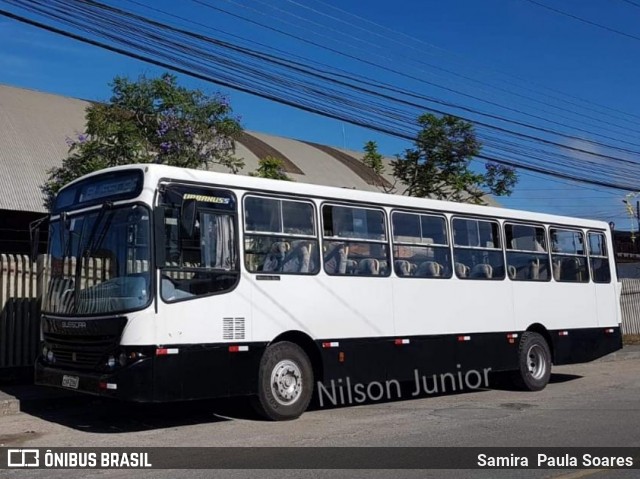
[(88, 249), (91, 243)]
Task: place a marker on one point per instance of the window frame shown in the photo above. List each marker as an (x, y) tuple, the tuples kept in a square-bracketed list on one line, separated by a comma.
[(606, 256), (233, 213), (350, 240), (501, 248), (281, 199), (552, 253), (447, 235), (547, 252), (248, 233)]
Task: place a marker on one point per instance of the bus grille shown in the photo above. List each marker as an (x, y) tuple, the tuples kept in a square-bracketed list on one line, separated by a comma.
[(85, 352)]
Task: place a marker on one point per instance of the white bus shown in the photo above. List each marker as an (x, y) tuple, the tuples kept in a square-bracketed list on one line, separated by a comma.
[(170, 284)]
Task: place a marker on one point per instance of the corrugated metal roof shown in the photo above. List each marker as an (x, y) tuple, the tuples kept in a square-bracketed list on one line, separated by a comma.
[(263, 150), (354, 164), (34, 127)]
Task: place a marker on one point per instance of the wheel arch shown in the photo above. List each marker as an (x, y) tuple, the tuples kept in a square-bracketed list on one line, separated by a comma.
[(544, 332), (308, 345)]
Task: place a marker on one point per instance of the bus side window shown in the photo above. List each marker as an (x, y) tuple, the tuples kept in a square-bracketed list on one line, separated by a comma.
[(598, 258), (420, 245), (355, 241), (569, 256), (477, 249), (527, 256), (280, 236)]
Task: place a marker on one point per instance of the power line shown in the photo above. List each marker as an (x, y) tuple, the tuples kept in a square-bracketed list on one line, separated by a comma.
[(498, 117), (343, 72), (455, 91), (154, 38), (584, 20), (482, 66), (404, 74)]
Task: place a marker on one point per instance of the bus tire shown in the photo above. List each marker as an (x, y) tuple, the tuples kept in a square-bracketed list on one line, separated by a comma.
[(285, 382), (534, 358)]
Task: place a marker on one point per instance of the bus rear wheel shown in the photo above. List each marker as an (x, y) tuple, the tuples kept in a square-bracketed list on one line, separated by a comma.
[(285, 382), (534, 357)]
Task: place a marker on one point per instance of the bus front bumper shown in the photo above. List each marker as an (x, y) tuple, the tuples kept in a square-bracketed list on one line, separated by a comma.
[(133, 382)]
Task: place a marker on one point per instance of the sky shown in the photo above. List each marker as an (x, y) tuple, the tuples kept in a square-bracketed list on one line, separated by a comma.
[(508, 52)]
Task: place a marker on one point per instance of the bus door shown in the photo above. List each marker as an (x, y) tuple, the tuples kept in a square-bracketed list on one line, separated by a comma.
[(203, 304)]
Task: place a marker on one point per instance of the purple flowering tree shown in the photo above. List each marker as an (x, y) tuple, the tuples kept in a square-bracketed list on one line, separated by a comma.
[(151, 120), (439, 164)]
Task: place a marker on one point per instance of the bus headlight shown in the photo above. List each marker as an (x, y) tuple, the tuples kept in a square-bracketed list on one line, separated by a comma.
[(111, 362), (45, 351), (50, 357)]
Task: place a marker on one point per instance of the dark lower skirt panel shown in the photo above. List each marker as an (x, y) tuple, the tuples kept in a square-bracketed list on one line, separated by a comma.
[(219, 370)]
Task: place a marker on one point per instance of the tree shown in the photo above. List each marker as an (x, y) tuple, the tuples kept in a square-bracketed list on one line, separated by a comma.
[(372, 157), (439, 164), (150, 121), (271, 167)]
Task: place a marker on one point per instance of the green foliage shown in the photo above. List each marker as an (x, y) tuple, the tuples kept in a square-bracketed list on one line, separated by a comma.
[(372, 158), (439, 164), (271, 167), (150, 121)]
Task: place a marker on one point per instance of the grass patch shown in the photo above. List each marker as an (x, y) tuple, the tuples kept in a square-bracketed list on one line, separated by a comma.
[(629, 339)]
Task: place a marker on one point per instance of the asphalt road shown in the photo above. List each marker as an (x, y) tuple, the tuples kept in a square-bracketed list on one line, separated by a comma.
[(590, 405)]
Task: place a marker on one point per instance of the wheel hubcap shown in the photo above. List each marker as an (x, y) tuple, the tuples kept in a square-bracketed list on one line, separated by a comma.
[(286, 382), (536, 362)]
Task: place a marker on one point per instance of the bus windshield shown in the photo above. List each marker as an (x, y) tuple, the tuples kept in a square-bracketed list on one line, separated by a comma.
[(100, 261)]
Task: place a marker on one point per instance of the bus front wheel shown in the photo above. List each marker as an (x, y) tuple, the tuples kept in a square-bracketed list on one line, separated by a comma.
[(285, 382), (534, 357)]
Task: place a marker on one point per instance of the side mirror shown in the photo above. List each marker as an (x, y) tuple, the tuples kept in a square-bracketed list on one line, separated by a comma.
[(34, 238), (188, 216)]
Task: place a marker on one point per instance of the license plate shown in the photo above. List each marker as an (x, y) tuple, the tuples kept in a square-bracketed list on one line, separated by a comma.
[(70, 381)]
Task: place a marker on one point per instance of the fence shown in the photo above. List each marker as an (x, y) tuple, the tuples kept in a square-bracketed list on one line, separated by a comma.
[(22, 285), (630, 304), (20, 293)]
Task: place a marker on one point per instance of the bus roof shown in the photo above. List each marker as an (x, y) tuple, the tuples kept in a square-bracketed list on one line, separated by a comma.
[(154, 173)]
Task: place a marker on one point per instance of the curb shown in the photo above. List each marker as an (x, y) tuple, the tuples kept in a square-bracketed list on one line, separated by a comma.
[(621, 355), (9, 407), (20, 398)]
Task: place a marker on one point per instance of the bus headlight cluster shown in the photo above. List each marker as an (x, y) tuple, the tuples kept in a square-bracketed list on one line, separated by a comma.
[(122, 359)]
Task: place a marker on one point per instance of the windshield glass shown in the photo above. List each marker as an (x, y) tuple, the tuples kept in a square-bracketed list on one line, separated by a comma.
[(99, 261)]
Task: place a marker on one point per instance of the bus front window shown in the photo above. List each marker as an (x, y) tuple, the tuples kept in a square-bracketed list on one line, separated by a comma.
[(201, 260), (100, 262), (202, 263)]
